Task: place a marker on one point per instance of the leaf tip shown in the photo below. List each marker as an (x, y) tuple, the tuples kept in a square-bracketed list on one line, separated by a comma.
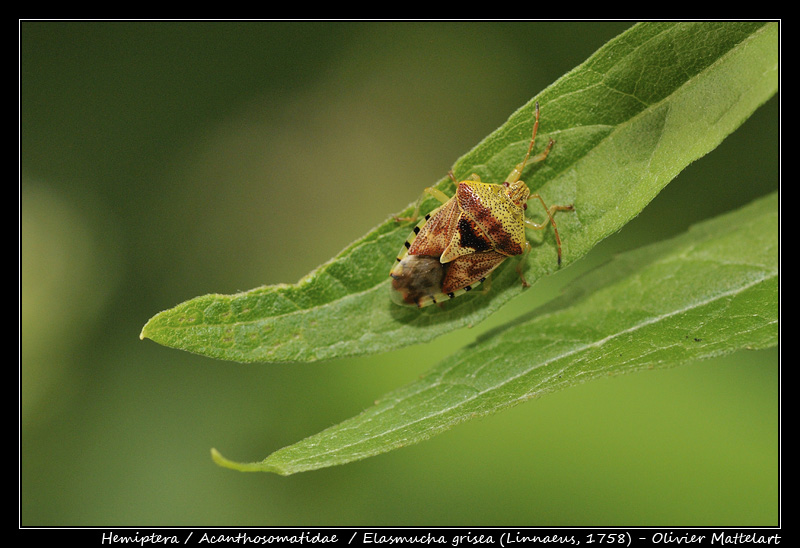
[(148, 328), (217, 457)]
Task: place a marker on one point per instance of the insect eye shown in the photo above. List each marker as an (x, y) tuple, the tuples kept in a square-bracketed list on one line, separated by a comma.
[(525, 206), (505, 184)]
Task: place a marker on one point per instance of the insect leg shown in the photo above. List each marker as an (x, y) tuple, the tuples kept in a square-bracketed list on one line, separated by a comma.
[(474, 177), (551, 211), (435, 192), (438, 194), (487, 285), (521, 262)]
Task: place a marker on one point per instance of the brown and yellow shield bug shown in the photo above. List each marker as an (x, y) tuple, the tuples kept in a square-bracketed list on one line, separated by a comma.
[(457, 245)]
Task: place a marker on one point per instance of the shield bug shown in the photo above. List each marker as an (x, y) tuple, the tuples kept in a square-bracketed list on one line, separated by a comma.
[(457, 245)]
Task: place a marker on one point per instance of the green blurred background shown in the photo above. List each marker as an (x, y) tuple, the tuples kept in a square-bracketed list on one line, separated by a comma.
[(162, 161)]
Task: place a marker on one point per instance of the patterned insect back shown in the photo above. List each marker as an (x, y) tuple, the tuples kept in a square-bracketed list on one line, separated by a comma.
[(457, 246)]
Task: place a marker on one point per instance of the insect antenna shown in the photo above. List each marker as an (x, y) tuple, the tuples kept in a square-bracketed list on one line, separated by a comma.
[(515, 175)]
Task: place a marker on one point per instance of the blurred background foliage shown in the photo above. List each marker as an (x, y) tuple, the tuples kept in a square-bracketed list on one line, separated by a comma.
[(165, 160)]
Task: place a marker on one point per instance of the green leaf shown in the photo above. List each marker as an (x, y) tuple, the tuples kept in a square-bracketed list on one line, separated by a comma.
[(710, 291), (626, 122)]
